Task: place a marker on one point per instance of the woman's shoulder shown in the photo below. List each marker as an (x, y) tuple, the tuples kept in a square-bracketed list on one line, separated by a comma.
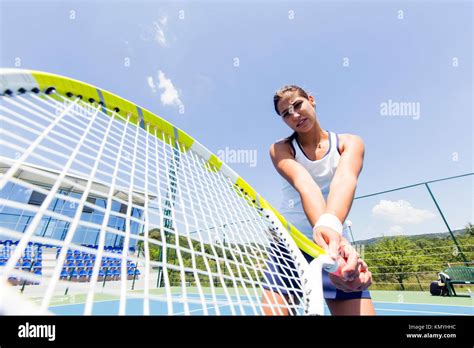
[(283, 145), (347, 139)]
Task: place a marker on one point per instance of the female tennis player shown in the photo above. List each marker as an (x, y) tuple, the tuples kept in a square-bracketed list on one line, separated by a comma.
[(320, 169)]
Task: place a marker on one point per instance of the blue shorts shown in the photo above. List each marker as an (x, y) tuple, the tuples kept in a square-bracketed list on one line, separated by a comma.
[(281, 275)]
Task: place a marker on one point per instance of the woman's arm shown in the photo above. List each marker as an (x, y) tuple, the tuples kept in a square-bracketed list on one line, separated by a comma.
[(340, 198), (344, 182), (313, 203), (314, 206)]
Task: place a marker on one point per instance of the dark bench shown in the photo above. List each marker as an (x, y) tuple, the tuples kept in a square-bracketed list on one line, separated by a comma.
[(456, 275)]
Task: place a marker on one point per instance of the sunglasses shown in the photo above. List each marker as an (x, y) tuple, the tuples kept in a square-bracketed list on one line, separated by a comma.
[(296, 106)]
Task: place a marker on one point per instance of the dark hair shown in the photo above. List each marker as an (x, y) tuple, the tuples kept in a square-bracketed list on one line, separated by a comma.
[(285, 89)]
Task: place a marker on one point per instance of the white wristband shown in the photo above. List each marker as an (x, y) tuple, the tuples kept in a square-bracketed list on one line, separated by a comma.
[(331, 221)]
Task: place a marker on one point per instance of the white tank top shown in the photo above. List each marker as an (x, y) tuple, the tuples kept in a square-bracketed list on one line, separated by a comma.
[(322, 171)]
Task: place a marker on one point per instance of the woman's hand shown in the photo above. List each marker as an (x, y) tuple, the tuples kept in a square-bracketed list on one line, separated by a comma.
[(353, 274), (360, 283), (338, 247)]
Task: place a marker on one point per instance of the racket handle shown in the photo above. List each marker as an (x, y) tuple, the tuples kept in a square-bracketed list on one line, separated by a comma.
[(329, 265)]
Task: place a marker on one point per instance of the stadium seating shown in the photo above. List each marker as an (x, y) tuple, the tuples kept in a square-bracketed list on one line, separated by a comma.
[(78, 265)]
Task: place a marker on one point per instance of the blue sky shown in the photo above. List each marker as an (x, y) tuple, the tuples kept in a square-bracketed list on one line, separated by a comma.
[(219, 64)]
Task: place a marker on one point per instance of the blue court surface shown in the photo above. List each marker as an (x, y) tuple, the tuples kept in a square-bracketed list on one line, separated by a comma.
[(135, 307)]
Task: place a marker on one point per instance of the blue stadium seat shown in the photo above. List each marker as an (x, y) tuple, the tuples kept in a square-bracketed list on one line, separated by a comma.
[(82, 275), (101, 275), (26, 266), (70, 265), (64, 274), (37, 272), (116, 274), (73, 274), (28, 253), (109, 274), (89, 274), (89, 265), (37, 265), (6, 251), (130, 273)]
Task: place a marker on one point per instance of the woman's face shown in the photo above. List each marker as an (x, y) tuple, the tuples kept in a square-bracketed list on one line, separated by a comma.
[(297, 112)]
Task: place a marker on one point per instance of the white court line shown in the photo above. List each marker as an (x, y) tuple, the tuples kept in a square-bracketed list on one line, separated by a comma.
[(79, 303), (208, 295), (421, 304), (411, 311)]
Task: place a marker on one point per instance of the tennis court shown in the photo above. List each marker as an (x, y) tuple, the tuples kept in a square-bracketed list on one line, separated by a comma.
[(385, 302), (82, 215)]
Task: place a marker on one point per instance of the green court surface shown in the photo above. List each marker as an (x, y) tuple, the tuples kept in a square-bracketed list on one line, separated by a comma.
[(420, 297)]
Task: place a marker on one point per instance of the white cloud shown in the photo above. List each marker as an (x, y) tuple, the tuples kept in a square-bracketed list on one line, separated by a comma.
[(160, 36), (156, 31), (151, 83), (401, 212), (170, 95), (163, 20)]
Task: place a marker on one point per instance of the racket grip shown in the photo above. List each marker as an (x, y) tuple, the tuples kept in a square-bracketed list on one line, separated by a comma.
[(329, 265)]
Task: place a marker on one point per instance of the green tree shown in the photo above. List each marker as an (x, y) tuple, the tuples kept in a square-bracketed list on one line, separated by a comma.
[(470, 229), (394, 259)]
